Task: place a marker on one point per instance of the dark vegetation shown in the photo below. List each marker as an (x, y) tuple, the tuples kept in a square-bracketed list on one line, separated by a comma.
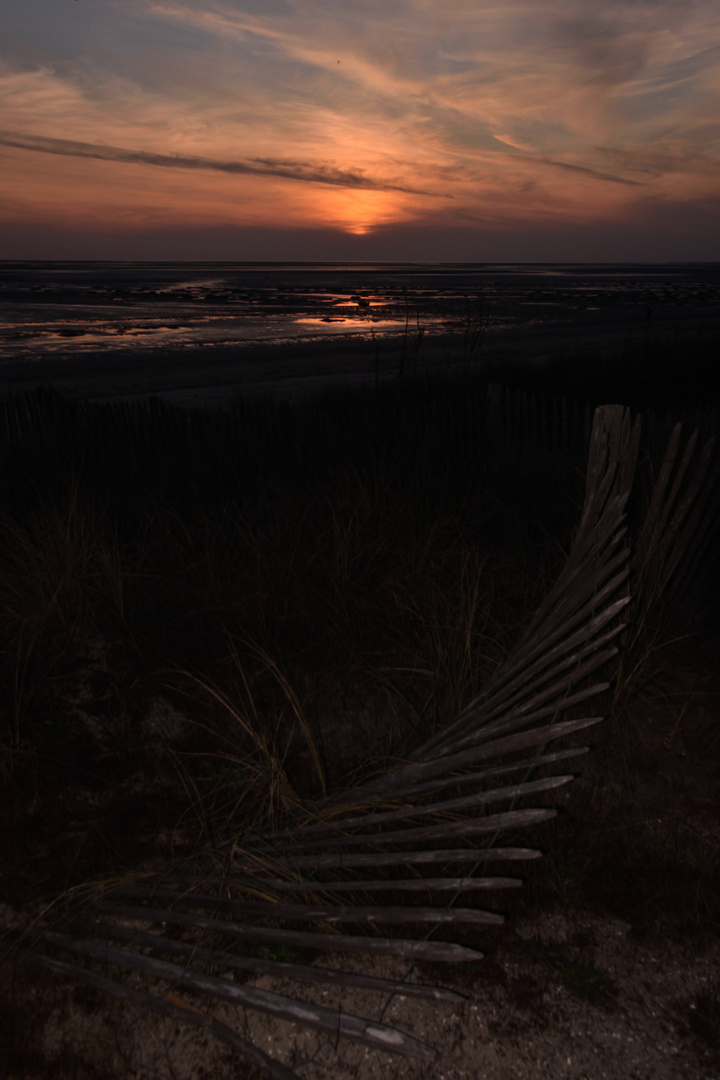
[(206, 616), (313, 589), (669, 371)]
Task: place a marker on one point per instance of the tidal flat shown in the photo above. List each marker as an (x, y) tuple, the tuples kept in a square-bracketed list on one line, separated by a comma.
[(198, 333)]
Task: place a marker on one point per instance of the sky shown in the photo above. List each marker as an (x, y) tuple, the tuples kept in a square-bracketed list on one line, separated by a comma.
[(430, 130)]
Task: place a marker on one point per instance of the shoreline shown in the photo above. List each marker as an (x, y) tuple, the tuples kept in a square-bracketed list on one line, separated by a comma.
[(210, 375)]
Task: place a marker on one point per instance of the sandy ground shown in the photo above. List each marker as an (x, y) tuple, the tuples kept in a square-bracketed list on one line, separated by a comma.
[(211, 375), (655, 1017), (613, 977)]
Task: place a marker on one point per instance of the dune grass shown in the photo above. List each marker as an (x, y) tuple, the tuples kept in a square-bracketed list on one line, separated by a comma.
[(206, 617), (269, 567)]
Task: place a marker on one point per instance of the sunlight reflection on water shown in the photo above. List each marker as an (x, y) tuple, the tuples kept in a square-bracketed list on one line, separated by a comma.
[(58, 310)]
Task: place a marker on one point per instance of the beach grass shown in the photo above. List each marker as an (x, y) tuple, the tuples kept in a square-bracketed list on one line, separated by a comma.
[(208, 616), (379, 543)]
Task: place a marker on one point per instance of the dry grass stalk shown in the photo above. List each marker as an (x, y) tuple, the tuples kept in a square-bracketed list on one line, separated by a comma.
[(322, 853)]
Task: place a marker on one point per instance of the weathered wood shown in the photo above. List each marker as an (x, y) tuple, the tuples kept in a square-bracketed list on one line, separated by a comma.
[(349, 861), (339, 826), (672, 522), (148, 1003), (553, 694), (570, 609), (416, 950), (415, 773), (279, 968), (463, 779), (415, 791), (431, 885), (483, 709), (548, 663), (355, 913), (493, 823), (277, 1005)]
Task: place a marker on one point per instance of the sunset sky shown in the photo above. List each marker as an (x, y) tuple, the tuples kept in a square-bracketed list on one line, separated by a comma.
[(379, 129)]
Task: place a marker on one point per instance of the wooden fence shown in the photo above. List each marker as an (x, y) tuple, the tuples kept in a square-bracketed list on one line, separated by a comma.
[(394, 866)]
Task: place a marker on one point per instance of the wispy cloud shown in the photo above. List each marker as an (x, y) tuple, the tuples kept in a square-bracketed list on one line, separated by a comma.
[(596, 175), (504, 111), (287, 170)]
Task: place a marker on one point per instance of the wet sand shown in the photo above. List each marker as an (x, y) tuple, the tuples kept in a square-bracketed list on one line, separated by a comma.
[(209, 374), (194, 337)]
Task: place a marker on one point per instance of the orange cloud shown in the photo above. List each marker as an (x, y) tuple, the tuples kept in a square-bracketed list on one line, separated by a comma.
[(359, 212), (500, 114)]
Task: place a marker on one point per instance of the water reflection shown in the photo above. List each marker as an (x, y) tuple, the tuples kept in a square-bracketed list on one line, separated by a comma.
[(54, 309)]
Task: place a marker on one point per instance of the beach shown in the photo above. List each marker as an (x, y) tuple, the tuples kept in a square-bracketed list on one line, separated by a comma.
[(199, 334), (213, 619)]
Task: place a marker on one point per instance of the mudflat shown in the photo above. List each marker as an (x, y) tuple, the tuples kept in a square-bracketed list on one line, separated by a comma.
[(197, 334)]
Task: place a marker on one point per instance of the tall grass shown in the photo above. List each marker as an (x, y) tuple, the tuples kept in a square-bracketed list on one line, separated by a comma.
[(316, 587), (368, 547)]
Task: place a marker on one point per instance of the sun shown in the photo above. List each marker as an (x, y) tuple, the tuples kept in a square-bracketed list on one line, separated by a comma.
[(358, 212)]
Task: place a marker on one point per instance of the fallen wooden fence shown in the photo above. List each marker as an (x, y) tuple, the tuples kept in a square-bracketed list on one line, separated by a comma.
[(414, 847)]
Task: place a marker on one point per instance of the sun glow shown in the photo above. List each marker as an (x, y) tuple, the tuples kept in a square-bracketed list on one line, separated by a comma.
[(452, 120), (359, 212)]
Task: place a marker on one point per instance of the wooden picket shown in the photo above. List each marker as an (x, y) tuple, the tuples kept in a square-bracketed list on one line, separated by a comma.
[(421, 836)]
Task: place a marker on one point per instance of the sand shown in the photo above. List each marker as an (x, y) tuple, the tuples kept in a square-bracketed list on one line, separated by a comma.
[(211, 375)]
